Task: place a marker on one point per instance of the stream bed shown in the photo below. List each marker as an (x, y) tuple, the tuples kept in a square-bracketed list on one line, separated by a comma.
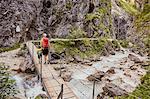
[(118, 69), (29, 86)]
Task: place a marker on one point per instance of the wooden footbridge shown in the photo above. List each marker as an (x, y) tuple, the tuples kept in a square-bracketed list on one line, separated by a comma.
[(54, 85)]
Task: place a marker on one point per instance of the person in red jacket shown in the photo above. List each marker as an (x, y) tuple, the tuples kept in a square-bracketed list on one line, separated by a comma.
[(45, 46)]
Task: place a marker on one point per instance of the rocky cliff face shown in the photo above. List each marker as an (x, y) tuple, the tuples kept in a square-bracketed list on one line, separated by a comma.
[(16, 17), (26, 19), (61, 17), (22, 20)]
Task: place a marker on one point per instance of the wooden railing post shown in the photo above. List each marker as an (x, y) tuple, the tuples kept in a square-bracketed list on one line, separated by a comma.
[(93, 89), (60, 96)]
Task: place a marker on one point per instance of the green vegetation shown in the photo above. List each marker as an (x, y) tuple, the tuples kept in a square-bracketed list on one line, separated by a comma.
[(143, 90), (147, 41), (7, 85), (103, 16), (15, 46), (84, 48), (129, 7), (124, 43), (38, 97), (76, 33), (69, 5), (115, 44), (141, 15)]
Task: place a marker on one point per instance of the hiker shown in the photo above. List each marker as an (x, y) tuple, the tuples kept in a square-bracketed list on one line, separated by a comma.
[(39, 53), (45, 47)]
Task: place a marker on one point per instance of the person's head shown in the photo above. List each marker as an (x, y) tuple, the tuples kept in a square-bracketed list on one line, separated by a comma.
[(44, 35)]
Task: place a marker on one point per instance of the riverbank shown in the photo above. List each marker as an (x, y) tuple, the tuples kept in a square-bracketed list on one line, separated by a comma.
[(27, 84)]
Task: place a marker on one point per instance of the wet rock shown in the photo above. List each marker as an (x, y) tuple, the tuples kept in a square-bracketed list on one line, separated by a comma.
[(87, 62), (134, 67), (55, 62), (127, 74), (78, 59), (59, 68), (55, 56), (105, 52), (70, 59), (111, 71), (145, 64), (96, 77), (27, 64), (112, 53), (66, 76), (134, 58), (18, 70), (30, 70), (113, 90), (100, 96), (95, 58), (21, 53)]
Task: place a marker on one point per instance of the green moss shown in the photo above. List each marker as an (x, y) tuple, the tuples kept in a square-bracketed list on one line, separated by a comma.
[(147, 42), (124, 43), (91, 16), (76, 33), (73, 48), (38, 97), (128, 7), (69, 5), (115, 44), (101, 14), (15, 46)]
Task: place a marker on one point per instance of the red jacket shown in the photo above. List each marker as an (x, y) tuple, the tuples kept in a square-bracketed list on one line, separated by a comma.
[(45, 42)]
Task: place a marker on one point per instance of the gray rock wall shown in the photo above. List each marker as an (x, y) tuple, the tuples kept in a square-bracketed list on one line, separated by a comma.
[(57, 18)]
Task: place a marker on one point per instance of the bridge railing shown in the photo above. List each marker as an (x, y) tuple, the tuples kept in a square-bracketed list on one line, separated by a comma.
[(60, 96)]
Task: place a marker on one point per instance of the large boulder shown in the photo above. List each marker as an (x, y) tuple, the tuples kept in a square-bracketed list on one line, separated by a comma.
[(113, 90), (66, 76), (96, 77), (134, 58)]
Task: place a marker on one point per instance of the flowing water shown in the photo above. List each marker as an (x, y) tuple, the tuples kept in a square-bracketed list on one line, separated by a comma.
[(84, 88), (29, 86)]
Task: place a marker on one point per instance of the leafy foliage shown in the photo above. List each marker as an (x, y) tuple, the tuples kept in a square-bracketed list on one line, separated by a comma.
[(7, 85)]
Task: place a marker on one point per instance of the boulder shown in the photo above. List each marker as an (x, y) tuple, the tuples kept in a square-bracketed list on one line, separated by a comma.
[(66, 76), (112, 53), (78, 59), (134, 58), (59, 68), (96, 77), (145, 64), (111, 71), (113, 90)]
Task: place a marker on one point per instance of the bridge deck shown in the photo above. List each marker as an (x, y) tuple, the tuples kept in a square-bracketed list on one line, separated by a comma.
[(50, 78)]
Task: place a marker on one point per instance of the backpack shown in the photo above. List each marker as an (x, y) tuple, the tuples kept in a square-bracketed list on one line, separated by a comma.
[(45, 42)]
